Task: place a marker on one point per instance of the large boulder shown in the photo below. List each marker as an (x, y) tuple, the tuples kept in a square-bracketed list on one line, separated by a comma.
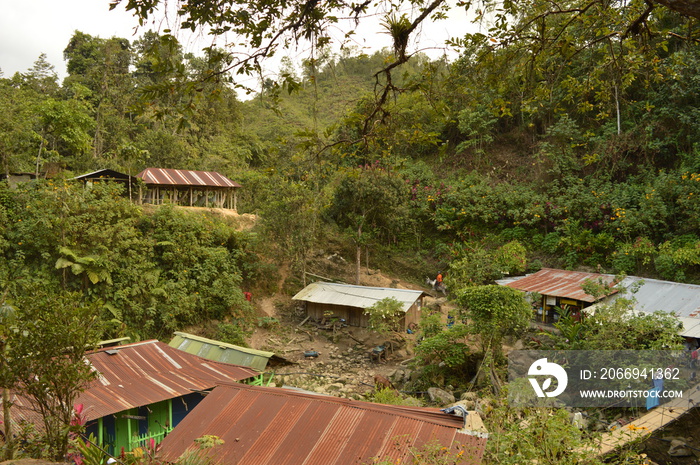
[(440, 396)]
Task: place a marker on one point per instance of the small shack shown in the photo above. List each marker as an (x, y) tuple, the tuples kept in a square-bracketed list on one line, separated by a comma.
[(272, 426), (129, 182), (14, 179), (349, 301), (558, 290), (188, 188)]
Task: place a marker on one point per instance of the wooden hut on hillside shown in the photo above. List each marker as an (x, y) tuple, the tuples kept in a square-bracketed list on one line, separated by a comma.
[(188, 188), (349, 302), (106, 175)]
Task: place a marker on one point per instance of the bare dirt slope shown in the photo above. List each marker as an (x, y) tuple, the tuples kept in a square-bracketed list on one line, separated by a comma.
[(243, 221), (343, 366)]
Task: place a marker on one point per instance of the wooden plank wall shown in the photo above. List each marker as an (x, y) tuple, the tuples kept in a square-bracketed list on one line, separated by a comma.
[(354, 316)]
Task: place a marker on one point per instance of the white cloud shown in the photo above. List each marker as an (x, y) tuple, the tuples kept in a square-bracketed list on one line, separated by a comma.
[(29, 28)]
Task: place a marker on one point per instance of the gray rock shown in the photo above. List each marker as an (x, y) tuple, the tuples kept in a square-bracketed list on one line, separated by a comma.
[(439, 396), (679, 449)]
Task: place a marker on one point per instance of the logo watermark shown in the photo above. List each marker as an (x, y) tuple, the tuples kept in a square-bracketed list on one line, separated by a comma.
[(577, 378), (551, 371)]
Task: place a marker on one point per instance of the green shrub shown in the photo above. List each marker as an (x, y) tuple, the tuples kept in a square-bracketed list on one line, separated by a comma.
[(393, 397), (431, 325), (268, 322), (231, 334)]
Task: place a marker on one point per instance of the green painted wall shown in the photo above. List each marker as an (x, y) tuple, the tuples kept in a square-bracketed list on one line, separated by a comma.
[(123, 429), (127, 431)]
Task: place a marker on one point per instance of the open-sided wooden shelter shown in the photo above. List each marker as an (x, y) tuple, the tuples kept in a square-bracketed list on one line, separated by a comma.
[(188, 188)]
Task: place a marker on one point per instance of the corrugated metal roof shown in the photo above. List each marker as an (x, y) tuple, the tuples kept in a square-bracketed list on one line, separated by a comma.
[(559, 283), (691, 327), (655, 295), (261, 426), (107, 175), (143, 373), (172, 177), (355, 296), (221, 351)]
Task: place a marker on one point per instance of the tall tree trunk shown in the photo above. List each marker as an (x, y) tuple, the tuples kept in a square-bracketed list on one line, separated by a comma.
[(617, 108), (7, 420), (6, 404), (358, 255), (38, 156)]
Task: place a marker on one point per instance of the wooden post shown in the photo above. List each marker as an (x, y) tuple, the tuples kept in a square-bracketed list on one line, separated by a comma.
[(170, 414), (100, 432), (128, 432)]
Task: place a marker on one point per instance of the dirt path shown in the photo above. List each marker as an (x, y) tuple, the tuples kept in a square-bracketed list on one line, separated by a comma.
[(266, 306)]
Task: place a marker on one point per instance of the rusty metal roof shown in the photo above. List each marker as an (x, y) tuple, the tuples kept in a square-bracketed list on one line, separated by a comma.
[(559, 283), (266, 426), (355, 296), (143, 373), (172, 177)]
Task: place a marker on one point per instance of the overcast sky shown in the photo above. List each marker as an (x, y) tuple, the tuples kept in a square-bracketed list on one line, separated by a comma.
[(31, 27)]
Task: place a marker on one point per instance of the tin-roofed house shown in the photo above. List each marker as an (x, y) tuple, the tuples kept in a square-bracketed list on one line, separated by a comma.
[(141, 392), (349, 301), (188, 188), (558, 290), (275, 426)]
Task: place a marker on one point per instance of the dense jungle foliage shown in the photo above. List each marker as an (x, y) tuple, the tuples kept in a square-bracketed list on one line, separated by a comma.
[(564, 135), (573, 146)]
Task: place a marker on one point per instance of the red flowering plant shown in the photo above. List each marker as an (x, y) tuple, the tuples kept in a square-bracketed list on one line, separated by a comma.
[(82, 450)]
